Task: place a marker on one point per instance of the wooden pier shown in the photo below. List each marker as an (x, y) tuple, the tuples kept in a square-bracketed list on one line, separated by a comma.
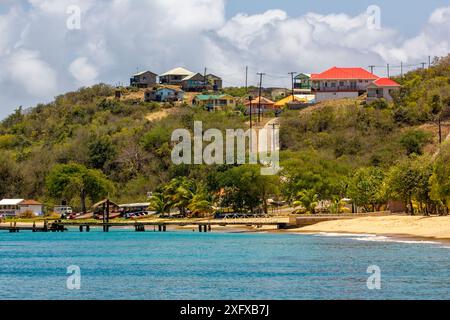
[(52, 227), (162, 225)]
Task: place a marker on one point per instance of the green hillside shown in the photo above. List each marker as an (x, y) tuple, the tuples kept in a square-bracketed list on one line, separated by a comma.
[(87, 145)]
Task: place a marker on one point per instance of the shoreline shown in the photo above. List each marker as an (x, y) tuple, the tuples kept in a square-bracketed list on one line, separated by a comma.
[(396, 227)]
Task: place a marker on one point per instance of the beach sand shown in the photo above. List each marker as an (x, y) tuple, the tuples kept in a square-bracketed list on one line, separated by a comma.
[(408, 226), (436, 228)]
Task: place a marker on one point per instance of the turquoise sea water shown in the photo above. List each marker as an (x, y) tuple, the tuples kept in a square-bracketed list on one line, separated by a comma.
[(124, 264)]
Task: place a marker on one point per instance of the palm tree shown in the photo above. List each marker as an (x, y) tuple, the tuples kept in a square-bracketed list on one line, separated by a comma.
[(199, 204), (160, 203), (308, 199)]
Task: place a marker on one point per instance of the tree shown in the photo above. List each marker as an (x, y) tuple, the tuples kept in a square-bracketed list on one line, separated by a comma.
[(440, 179), (100, 151), (414, 141), (67, 181), (160, 203), (180, 192), (11, 179), (365, 188), (200, 203), (401, 183), (308, 199), (245, 189)]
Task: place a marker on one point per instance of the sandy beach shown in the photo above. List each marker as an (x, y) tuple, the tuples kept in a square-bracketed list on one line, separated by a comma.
[(408, 226), (437, 228)]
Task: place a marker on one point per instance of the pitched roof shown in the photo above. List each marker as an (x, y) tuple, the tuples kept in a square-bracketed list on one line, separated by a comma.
[(263, 101), (143, 72), (282, 102), (178, 71), (212, 76), (336, 73), (30, 203), (199, 75), (386, 82), (302, 75), (169, 87), (10, 202), (205, 97)]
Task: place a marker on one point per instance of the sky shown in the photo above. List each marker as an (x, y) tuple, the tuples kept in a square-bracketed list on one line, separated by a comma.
[(49, 47)]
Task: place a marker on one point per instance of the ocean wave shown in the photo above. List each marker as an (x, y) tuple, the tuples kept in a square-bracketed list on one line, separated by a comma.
[(375, 238)]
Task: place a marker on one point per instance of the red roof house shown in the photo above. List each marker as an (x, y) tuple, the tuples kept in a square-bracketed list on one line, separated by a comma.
[(381, 88), (339, 83)]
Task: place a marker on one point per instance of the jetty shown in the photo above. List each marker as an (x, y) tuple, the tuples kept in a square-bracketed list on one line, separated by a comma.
[(161, 225)]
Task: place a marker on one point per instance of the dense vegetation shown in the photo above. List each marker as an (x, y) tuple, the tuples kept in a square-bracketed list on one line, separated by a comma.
[(86, 145)]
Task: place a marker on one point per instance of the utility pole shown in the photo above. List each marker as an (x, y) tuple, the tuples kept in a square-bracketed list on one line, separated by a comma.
[(423, 65), (260, 93), (401, 69), (292, 83), (388, 73), (250, 98), (273, 125), (204, 78), (440, 128), (246, 79), (429, 62), (371, 69)]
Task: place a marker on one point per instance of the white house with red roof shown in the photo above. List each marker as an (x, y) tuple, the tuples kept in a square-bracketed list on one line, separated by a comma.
[(381, 88), (17, 207), (338, 83)]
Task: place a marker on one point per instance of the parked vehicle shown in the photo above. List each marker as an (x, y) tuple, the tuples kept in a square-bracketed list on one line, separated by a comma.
[(64, 211)]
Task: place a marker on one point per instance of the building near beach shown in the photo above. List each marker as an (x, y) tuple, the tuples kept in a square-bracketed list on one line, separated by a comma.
[(17, 207)]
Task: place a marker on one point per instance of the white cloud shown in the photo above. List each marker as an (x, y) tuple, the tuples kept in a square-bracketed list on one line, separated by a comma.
[(42, 57), (85, 73), (27, 70)]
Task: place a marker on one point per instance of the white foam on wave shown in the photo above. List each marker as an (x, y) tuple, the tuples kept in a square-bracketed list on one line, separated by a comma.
[(344, 235), (388, 239), (374, 238)]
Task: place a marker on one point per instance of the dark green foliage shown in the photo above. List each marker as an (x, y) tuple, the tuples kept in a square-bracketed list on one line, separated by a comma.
[(414, 141)]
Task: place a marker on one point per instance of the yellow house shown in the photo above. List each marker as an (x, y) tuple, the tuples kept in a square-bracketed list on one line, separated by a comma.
[(281, 103), (212, 102)]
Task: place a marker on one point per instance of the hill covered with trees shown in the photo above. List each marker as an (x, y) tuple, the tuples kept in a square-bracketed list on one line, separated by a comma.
[(86, 145)]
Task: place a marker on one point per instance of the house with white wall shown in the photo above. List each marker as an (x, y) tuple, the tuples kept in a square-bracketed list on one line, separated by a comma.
[(382, 88), (17, 207), (338, 83)]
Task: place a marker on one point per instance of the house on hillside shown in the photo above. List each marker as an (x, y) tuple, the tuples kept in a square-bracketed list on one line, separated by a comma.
[(381, 88), (196, 82), (338, 83), (175, 76), (17, 207), (164, 93), (297, 98), (143, 79), (213, 102), (214, 82), (266, 104), (302, 83)]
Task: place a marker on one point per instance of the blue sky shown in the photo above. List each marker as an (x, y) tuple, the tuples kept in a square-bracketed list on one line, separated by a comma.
[(40, 57), (406, 16)]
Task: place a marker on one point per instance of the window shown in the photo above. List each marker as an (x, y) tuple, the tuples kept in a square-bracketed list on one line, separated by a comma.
[(341, 83), (333, 84)]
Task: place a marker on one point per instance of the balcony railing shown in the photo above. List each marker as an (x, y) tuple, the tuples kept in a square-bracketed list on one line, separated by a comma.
[(336, 89)]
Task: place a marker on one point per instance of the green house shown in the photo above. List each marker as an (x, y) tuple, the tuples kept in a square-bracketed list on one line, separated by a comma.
[(302, 82)]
